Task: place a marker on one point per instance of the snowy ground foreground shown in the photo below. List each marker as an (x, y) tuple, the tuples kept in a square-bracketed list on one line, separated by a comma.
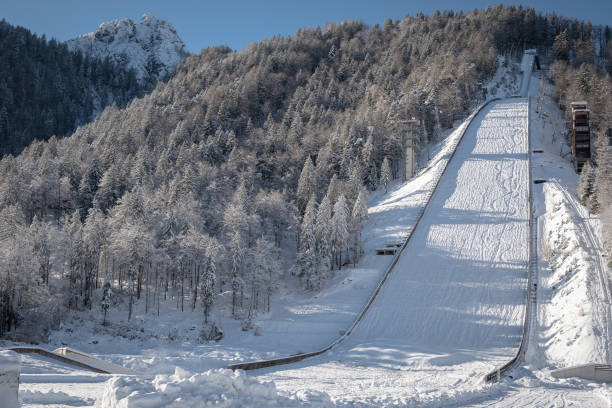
[(452, 308), (213, 388)]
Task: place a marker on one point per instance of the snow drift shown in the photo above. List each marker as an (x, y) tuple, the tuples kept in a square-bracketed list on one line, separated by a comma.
[(214, 388)]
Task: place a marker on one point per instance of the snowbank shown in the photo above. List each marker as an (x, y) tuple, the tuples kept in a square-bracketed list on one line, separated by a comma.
[(10, 363), (214, 388), (575, 334)]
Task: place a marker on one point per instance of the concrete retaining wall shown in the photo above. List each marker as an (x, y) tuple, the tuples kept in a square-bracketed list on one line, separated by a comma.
[(10, 367)]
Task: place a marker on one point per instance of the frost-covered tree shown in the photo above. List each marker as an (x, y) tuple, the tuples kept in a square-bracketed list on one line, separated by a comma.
[(323, 237), (369, 165), (105, 302), (307, 185), (358, 217), (208, 287), (236, 226), (385, 173), (41, 238), (586, 188), (306, 263), (339, 230)]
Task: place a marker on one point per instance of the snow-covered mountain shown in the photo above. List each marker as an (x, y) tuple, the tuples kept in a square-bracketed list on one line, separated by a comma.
[(152, 48)]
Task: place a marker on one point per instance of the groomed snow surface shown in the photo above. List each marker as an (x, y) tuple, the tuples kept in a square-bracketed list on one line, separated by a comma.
[(452, 308), (450, 311)]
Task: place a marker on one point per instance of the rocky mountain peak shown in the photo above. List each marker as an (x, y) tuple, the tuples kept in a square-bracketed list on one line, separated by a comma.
[(152, 47)]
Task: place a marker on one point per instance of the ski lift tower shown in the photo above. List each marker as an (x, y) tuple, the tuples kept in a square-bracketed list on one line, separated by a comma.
[(411, 145)]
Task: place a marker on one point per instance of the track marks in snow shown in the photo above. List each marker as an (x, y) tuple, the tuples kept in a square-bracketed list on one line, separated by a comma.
[(452, 307)]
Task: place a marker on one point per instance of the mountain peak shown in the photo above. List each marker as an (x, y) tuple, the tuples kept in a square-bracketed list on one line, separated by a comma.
[(152, 47)]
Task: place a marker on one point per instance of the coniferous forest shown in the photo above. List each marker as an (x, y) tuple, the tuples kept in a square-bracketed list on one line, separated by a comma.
[(46, 90), (246, 169)]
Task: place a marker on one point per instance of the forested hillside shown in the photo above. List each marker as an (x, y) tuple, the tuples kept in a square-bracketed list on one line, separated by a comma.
[(582, 74), (47, 90), (243, 165)]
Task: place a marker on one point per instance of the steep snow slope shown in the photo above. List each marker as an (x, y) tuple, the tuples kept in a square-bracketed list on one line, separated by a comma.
[(152, 48), (452, 308)]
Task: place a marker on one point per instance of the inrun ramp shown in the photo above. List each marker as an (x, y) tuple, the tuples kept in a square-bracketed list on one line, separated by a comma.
[(452, 308)]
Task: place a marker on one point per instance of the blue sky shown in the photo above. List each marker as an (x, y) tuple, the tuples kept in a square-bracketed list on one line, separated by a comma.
[(236, 23)]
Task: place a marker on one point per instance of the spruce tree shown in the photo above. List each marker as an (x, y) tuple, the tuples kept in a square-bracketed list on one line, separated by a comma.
[(340, 230), (323, 239), (385, 173), (208, 287), (307, 185), (306, 264)]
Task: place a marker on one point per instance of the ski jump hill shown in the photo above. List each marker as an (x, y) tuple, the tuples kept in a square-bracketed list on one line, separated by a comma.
[(455, 302)]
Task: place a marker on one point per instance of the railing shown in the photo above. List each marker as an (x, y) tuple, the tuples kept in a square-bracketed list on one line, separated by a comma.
[(530, 299), (302, 356), (56, 356)]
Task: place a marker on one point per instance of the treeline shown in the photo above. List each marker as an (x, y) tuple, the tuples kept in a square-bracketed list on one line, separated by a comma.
[(580, 73), (245, 170), (47, 90)]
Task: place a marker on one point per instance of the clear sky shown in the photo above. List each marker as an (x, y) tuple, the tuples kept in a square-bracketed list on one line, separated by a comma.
[(203, 23)]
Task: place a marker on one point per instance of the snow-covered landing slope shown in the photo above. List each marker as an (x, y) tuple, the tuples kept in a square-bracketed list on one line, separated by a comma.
[(452, 308)]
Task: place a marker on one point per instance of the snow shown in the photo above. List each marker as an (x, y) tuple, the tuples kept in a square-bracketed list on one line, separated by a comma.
[(526, 68), (213, 388), (449, 313), (571, 279), (504, 82), (52, 398), (451, 309), (125, 41)]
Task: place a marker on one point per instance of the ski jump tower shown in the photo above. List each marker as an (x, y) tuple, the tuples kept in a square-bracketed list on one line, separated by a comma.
[(411, 146), (581, 134)]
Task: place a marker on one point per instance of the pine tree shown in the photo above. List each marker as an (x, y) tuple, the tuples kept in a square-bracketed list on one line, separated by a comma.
[(105, 303), (561, 46), (367, 157), (208, 280), (334, 190), (339, 230), (323, 240), (358, 218), (307, 185), (306, 263), (385, 173), (585, 186)]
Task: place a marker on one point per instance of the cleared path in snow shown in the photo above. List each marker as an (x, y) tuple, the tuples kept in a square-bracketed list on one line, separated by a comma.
[(452, 308)]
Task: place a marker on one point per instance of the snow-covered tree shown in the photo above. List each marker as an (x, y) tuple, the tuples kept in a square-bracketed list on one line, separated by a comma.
[(323, 237), (385, 173), (358, 218), (586, 188), (208, 282), (339, 230), (306, 264), (369, 165), (307, 184), (40, 234), (105, 302)]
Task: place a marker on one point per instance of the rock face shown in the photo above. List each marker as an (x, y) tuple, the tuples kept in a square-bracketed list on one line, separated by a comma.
[(152, 48)]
